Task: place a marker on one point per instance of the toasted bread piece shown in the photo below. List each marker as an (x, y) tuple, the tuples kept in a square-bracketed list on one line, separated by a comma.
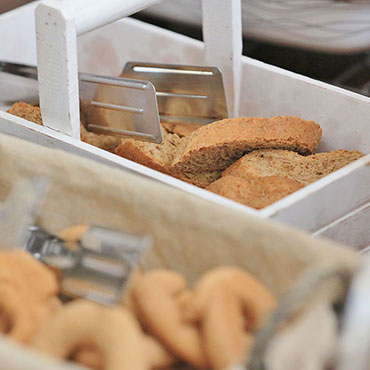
[(202, 179), (33, 114), (156, 156), (105, 142), (160, 156), (256, 192), (26, 111), (181, 129), (306, 170), (217, 145)]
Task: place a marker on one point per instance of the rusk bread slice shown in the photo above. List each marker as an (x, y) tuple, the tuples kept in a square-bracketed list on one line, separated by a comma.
[(26, 111), (201, 180), (106, 142), (285, 163), (217, 145), (256, 192), (160, 156), (33, 114), (181, 129), (156, 156)]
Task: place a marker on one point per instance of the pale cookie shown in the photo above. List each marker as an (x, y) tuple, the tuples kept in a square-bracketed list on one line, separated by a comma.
[(230, 305), (73, 233), (28, 294), (155, 297), (114, 332)]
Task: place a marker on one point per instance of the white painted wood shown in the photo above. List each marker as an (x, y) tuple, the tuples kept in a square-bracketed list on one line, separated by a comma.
[(21, 45), (353, 229), (326, 200), (222, 34), (343, 115), (57, 25), (37, 134), (267, 91), (91, 14), (57, 68)]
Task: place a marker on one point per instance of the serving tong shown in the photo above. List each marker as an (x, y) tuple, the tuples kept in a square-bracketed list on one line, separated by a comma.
[(97, 267), (135, 103)]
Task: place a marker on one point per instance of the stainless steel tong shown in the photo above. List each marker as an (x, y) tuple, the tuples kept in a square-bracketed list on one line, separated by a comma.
[(97, 267), (135, 103)]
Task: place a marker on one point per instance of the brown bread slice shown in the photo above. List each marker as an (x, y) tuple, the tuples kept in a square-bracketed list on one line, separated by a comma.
[(256, 192), (26, 111), (285, 163), (105, 142), (33, 114), (181, 129), (219, 144), (156, 156), (160, 156), (202, 179)]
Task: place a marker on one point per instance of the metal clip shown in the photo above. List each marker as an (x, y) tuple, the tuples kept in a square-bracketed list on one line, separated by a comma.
[(96, 268)]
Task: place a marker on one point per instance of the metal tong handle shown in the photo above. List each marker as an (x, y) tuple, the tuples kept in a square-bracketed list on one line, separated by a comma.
[(97, 267)]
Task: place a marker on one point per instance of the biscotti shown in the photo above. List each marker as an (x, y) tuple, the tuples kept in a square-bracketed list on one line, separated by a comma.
[(181, 129), (106, 142), (217, 145), (26, 111), (160, 156), (33, 114), (285, 163), (156, 156), (256, 192), (201, 180)]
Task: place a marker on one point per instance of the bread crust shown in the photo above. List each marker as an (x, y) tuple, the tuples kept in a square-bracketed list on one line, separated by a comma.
[(257, 192), (26, 111), (217, 145), (181, 129), (285, 163), (33, 114), (156, 156)]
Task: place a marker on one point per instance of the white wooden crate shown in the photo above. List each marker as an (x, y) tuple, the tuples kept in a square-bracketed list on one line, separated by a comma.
[(337, 206)]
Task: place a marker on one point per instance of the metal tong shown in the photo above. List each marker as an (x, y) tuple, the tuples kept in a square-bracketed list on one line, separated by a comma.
[(97, 267), (144, 95)]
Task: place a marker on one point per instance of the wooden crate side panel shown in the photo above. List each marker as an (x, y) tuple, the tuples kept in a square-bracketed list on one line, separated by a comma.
[(29, 131), (327, 199), (268, 91), (18, 44), (263, 99), (107, 49), (352, 229)]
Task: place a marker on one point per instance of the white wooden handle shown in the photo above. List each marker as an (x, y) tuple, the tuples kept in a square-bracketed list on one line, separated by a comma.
[(58, 22), (222, 34), (91, 14)]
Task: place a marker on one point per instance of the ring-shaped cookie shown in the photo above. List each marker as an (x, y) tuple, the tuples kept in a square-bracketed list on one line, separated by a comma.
[(155, 302), (113, 331), (230, 306)]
